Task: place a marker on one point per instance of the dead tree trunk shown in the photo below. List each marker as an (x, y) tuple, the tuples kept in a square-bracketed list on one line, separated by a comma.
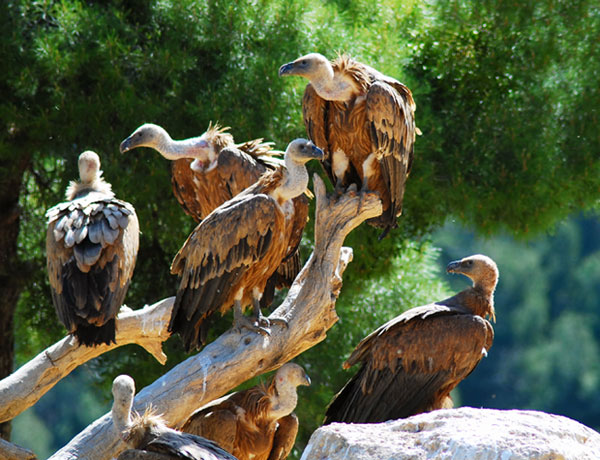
[(235, 357)]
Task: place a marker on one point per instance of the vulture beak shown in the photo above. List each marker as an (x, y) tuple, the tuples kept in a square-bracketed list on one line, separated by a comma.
[(286, 69), (453, 267), (125, 145), (306, 380), (317, 153)]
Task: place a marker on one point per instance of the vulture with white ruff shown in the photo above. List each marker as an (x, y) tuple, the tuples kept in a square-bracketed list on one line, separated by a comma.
[(210, 169), (410, 364), (148, 432), (364, 122), (229, 257), (257, 423), (91, 247)]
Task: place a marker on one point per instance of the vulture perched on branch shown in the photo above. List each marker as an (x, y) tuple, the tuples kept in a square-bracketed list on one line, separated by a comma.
[(364, 122), (148, 431), (232, 253), (411, 363), (254, 424), (91, 247), (210, 169)]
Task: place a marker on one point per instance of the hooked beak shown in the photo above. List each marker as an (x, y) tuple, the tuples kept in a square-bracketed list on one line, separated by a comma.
[(453, 266), (286, 69), (306, 380), (317, 153), (125, 145)]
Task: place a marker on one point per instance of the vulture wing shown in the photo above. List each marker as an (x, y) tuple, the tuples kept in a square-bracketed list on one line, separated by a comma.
[(314, 112), (187, 446), (234, 237), (410, 365), (390, 115), (91, 247), (238, 169), (186, 191), (285, 437), (216, 423)]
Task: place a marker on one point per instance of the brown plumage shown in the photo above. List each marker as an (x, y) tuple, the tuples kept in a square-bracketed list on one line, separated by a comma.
[(91, 249), (364, 122), (232, 253), (149, 432), (254, 424), (410, 364), (210, 169)]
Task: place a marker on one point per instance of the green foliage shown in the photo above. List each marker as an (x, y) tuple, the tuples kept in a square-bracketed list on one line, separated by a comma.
[(507, 100), (503, 91)]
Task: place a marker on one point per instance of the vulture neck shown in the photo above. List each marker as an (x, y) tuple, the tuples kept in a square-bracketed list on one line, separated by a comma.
[(483, 291), (284, 401), (121, 415), (176, 150), (334, 86), (295, 182)]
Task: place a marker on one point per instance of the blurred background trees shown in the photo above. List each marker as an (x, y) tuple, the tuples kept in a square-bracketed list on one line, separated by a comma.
[(508, 165)]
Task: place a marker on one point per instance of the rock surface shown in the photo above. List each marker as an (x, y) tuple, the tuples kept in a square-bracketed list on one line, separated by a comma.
[(459, 434)]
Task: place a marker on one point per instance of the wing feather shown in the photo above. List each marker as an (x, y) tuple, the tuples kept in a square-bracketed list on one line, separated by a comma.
[(390, 114), (410, 366)]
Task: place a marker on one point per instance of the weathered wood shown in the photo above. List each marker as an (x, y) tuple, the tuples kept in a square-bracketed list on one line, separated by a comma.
[(146, 327), (10, 451), (235, 356), (135, 454)]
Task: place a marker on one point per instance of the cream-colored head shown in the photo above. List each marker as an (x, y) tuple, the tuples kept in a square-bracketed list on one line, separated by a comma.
[(89, 167), (482, 270), (291, 374), (313, 66)]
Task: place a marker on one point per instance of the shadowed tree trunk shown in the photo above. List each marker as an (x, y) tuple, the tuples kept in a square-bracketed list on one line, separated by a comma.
[(12, 168)]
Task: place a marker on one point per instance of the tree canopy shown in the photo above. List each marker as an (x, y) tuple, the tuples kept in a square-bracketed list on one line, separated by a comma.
[(507, 99)]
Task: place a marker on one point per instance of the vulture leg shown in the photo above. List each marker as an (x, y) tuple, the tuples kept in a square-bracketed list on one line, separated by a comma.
[(241, 321), (263, 321)]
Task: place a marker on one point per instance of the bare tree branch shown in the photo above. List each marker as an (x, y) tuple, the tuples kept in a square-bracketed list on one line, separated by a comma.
[(10, 451), (146, 327), (235, 357)]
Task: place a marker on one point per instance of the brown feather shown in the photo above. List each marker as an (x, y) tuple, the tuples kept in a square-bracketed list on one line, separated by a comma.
[(410, 364), (91, 249), (377, 119), (244, 421)]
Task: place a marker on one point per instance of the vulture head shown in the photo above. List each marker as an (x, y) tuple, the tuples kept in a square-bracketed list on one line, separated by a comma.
[(329, 84), (301, 151), (123, 389), (89, 166), (313, 66), (292, 374), (479, 268)]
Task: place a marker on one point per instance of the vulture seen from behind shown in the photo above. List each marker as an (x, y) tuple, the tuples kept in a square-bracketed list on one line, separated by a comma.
[(257, 423), (229, 257), (364, 122), (148, 431), (411, 363), (91, 248), (210, 169)]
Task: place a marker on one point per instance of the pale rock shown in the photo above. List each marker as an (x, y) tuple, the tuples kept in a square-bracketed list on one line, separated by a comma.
[(458, 434)]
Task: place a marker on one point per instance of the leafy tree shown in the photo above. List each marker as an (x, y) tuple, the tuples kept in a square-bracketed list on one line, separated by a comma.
[(507, 101)]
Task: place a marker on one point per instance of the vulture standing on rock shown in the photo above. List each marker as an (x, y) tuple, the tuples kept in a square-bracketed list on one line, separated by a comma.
[(91, 247), (254, 424), (210, 169), (148, 432), (364, 122), (410, 364), (231, 254)]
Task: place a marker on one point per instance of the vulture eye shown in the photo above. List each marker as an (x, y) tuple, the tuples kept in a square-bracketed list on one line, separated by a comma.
[(469, 263), (303, 62)]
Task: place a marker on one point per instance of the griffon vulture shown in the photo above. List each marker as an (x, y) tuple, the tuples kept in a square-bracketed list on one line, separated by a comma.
[(254, 424), (364, 122), (231, 254), (210, 169), (91, 248), (149, 432), (410, 364)]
